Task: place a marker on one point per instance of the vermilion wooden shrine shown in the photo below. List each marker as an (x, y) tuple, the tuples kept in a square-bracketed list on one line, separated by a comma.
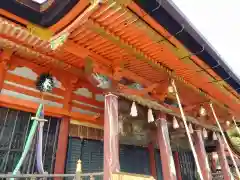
[(138, 94)]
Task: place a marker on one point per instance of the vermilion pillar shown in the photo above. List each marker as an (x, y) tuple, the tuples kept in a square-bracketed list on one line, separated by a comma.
[(62, 146), (168, 167), (3, 70), (111, 140), (223, 159), (177, 166), (152, 160), (5, 60), (61, 153), (202, 155)]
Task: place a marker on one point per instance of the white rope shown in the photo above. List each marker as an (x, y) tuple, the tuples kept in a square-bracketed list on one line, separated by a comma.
[(225, 141), (188, 132)]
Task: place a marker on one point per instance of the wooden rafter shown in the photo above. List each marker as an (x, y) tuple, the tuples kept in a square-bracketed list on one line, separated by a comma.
[(104, 39)]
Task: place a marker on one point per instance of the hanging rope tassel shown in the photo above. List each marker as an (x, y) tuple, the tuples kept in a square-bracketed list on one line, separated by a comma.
[(150, 116), (187, 131), (214, 136), (175, 123), (205, 133), (134, 112), (225, 140), (190, 128)]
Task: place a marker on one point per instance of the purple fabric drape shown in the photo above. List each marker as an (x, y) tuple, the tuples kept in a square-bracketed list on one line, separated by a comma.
[(39, 148)]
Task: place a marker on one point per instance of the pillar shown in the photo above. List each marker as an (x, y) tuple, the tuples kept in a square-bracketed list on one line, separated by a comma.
[(111, 139), (62, 146), (3, 71), (61, 153), (223, 159), (202, 155), (5, 60), (152, 160), (177, 166), (168, 167)]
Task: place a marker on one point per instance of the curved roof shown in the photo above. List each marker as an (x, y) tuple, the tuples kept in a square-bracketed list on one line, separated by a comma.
[(126, 41), (169, 16)]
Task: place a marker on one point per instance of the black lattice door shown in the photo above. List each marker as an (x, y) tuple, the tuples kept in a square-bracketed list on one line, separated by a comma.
[(158, 165), (89, 151), (134, 159), (187, 165)]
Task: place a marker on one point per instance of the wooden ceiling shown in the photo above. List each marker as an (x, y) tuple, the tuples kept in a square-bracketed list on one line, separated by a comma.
[(122, 41)]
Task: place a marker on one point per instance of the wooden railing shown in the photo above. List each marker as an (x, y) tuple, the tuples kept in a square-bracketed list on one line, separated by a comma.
[(127, 176)]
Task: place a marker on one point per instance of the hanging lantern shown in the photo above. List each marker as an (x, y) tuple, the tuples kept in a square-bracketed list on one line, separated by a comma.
[(175, 123), (150, 116), (190, 128), (214, 136), (202, 111), (134, 112), (205, 133)]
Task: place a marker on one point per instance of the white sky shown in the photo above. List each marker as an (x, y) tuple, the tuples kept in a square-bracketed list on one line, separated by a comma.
[(219, 22)]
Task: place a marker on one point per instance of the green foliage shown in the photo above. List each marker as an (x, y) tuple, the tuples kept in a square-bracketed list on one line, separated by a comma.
[(234, 137)]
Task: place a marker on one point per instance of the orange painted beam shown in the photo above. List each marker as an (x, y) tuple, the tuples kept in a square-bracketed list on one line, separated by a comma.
[(29, 106), (20, 62), (87, 100), (28, 92), (94, 120), (88, 108), (90, 87), (29, 83), (52, 62)]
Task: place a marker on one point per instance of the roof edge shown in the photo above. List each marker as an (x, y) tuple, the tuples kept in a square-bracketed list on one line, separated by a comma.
[(178, 15)]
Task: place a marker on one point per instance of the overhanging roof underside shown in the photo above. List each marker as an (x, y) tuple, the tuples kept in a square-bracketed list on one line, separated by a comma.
[(172, 19), (115, 36)]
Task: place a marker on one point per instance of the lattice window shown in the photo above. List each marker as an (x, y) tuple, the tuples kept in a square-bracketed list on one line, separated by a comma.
[(187, 165), (14, 127)]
